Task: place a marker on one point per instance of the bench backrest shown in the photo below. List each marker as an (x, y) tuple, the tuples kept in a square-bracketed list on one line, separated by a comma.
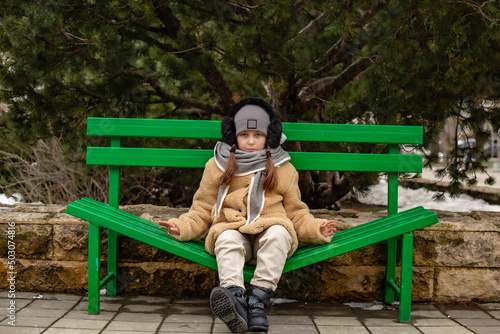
[(392, 135)]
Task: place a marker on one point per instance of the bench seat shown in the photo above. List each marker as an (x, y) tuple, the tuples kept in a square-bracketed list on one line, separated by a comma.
[(394, 230)]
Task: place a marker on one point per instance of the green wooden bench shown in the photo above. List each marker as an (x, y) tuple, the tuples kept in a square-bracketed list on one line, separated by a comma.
[(391, 229)]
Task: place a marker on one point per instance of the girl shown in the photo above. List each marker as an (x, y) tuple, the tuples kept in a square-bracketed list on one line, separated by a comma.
[(249, 201)]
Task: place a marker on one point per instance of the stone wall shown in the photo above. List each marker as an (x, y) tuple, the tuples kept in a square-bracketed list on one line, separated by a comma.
[(457, 259)]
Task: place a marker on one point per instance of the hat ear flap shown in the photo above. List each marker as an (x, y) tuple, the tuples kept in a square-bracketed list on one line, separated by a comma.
[(228, 130), (274, 133)]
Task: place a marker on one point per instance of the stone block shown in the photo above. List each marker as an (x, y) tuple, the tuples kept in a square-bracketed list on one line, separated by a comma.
[(467, 284), (32, 241), (422, 284), (60, 276), (71, 242), (131, 250), (457, 248), (170, 279), (325, 282)]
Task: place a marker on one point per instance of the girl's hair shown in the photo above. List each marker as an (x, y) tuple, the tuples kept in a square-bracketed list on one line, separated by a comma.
[(271, 180), (231, 168)]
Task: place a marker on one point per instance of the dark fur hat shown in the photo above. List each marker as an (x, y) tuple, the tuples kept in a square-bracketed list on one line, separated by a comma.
[(274, 130)]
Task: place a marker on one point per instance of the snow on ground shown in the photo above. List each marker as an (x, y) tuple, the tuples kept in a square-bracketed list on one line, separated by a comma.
[(16, 198), (410, 198)]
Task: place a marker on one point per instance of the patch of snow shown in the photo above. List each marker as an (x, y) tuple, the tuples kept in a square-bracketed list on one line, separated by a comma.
[(410, 198), (16, 198)]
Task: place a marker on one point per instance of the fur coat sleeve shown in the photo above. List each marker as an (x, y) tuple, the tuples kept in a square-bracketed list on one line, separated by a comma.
[(306, 226), (199, 217)]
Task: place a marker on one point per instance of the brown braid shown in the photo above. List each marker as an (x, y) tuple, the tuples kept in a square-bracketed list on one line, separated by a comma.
[(231, 167), (271, 180)]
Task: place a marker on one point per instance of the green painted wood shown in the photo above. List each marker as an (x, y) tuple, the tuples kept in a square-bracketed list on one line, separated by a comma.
[(177, 128), (117, 220), (94, 269), (114, 177), (390, 270), (341, 244), (190, 158), (392, 185), (406, 277)]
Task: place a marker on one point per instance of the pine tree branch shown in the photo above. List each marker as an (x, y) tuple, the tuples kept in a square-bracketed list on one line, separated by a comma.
[(216, 80), (325, 88), (169, 20), (336, 54), (167, 97)]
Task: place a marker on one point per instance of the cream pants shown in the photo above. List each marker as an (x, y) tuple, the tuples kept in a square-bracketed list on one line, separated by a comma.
[(269, 248)]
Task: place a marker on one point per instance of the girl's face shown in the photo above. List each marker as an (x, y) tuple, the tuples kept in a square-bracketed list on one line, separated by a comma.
[(251, 141)]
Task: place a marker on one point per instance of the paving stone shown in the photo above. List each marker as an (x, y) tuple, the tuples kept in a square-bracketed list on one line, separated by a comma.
[(427, 314), (485, 330), (103, 315), (180, 327), (490, 306), (394, 330), (41, 313), (133, 326), (381, 322), (420, 323), (53, 304), (444, 330), (468, 314), (335, 310), (80, 324), (342, 330), (480, 322), (289, 320), (149, 300), (220, 328), (143, 308), (72, 331), (105, 306), (138, 317), (19, 303), (189, 318), (292, 329), (57, 296), (30, 322), (21, 330), (336, 321), (494, 314), (194, 309)]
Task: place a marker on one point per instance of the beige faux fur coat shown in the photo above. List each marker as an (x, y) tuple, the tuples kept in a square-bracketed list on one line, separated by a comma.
[(281, 207)]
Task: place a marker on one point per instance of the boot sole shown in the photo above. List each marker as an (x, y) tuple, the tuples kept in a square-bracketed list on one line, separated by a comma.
[(258, 329), (222, 305)]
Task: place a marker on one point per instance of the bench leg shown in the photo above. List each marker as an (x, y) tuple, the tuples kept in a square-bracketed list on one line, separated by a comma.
[(94, 269), (406, 277), (112, 262), (390, 269)]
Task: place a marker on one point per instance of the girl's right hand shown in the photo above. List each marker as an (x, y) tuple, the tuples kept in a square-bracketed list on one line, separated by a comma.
[(171, 228)]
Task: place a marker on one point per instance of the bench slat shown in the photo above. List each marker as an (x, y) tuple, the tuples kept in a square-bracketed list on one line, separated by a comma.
[(164, 157), (107, 219), (346, 243), (321, 132)]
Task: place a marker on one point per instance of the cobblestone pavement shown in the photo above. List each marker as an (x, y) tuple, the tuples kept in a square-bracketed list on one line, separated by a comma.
[(66, 313)]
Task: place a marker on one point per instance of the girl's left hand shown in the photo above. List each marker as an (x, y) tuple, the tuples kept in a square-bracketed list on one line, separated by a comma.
[(328, 229)]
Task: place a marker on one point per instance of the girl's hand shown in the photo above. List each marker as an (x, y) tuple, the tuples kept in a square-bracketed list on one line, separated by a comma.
[(171, 228), (328, 229)]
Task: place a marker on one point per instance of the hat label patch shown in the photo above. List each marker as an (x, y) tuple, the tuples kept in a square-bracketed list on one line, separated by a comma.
[(251, 124)]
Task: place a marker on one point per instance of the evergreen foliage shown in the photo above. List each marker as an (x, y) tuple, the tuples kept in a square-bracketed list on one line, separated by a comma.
[(412, 62)]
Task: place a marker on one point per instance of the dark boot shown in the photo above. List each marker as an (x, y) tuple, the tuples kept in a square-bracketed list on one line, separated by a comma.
[(258, 300), (230, 305)]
